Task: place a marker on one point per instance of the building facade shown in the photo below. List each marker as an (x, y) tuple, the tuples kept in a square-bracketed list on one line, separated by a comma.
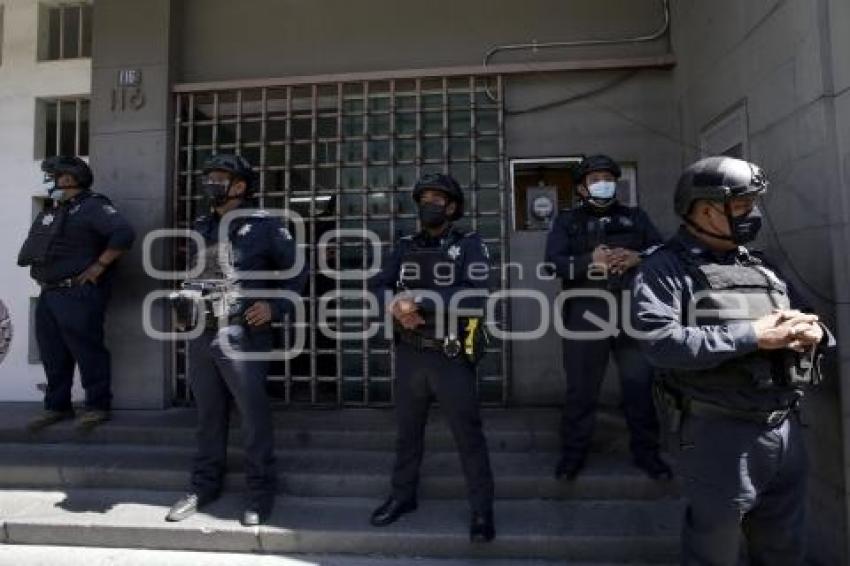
[(342, 105), (45, 81)]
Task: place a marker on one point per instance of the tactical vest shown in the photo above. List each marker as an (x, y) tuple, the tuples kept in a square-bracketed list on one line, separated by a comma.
[(42, 236), (430, 268), (215, 290), (745, 291), (213, 268), (616, 230)]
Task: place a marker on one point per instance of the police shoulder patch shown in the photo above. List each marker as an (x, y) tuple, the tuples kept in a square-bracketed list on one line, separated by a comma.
[(109, 209), (284, 232)]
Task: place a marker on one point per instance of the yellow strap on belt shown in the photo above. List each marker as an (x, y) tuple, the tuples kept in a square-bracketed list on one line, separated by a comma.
[(469, 343)]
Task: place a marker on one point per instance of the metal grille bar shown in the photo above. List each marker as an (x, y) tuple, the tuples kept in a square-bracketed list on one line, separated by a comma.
[(346, 155)]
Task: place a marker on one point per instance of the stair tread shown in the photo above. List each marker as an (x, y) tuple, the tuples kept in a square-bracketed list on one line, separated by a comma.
[(292, 460), (524, 518), (14, 415), (86, 556)]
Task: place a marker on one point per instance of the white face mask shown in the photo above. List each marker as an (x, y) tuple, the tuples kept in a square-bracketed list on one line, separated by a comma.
[(602, 189), (53, 192)]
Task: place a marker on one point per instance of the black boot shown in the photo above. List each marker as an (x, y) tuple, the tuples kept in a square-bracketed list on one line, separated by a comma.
[(390, 511), (481, 527), (654, 466), (569, 466), (258, 511)]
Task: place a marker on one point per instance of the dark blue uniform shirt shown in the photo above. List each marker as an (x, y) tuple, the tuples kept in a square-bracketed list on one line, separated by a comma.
[(578, 231), (467, 252), (259, 242), (91, 225), (662, 289)]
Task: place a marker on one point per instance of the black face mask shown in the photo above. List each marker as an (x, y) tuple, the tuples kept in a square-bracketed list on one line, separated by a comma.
[(216, 194), (743, 228), (746, 227), (432, 215)]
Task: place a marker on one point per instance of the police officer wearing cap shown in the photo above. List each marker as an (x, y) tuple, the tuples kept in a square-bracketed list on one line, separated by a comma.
[(596, 246), (71, 251), (734, 356), (435, 349), (235, 323)]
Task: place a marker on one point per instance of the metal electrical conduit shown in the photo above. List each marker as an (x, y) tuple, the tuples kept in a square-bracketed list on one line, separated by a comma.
[(534, 45)]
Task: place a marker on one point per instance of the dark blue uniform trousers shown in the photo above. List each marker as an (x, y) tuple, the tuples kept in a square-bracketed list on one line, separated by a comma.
[(742, 478), (419, 375), (217, 380), (69, 332), (585, 362)]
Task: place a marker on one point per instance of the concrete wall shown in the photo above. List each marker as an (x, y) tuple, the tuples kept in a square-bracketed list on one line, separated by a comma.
[(131, 148), (23, 79), (296, 38), (836, 19), (633, 122), (291, 37), (777, 58)]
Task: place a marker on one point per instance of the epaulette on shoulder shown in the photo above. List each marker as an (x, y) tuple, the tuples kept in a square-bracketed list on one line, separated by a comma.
[(651, 250), (101, 196)]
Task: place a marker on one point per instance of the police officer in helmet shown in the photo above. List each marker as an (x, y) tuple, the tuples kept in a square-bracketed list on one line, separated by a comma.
[(71, 250), (235, 323), (596, 246), (435, 350), (734, 355)]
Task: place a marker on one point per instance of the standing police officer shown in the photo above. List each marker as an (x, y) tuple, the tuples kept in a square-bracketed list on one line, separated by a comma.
[(595, 246), (436, 351), (218, 374), (733, 358), (71, 249)]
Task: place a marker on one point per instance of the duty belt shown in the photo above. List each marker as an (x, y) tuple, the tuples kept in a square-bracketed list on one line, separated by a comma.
[(60, 284), (684, 405), (420, 342), (770, 418)]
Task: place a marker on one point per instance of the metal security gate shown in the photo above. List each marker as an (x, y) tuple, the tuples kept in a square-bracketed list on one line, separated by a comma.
[(345, 155)]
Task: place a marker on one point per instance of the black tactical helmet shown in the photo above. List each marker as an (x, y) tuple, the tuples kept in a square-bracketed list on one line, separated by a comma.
[(74, 166), (595, 163), (236, 165), (445, 184), (717, 179)]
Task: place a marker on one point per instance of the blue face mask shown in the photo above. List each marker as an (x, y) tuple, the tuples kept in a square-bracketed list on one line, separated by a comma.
[(602, 190)]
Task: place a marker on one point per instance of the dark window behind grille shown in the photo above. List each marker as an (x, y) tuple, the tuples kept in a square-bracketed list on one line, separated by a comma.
[(65, 127), (69, 31), (346, 156)]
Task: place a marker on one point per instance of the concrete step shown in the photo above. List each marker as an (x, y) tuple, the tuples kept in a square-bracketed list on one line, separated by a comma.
[(40, 555), (612, 531), (312, 472), (508, 430)]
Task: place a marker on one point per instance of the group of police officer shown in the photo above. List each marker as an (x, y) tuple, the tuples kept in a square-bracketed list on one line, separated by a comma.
[(723, 348)]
